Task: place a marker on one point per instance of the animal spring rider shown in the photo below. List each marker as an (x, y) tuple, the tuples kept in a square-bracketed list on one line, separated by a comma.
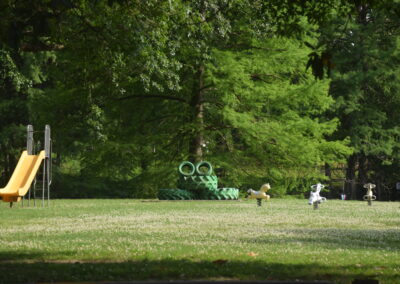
[(315, 199), (369, 196), (261, 194)]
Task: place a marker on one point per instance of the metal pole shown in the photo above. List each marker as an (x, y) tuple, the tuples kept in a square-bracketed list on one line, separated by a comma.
[(47, 162), (43, 181), (29, 140), (48, 174), (48, 195), (48, 179), (47, 139), (34, 193), (29, 149), (29, 193)]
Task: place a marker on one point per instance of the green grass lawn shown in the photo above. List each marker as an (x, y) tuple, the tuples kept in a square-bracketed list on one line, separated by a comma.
[(83, 240)]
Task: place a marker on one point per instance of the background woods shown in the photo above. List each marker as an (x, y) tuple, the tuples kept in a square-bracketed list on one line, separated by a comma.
[(285, 91)]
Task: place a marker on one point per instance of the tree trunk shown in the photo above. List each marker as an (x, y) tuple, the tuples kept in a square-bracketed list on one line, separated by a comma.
[(328, 173), (197, 104), (8, 166), (350, 176), (362, 169), (359, 159), (4, 172), (57, 159), (362, 161)]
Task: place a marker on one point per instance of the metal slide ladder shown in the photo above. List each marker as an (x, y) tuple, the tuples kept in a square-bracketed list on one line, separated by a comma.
[(40, 188)]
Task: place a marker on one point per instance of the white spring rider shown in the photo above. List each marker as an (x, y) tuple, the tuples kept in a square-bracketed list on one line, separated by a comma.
[(315, 199), (369, 196)]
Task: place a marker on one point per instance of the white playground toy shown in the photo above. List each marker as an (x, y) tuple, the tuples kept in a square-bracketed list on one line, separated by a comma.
[(369, 196), (315, 199)]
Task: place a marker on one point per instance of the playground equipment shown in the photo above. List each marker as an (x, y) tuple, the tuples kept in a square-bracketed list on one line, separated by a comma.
[(369, 196), (197, 182), (195, 179), (261, 194), (27, 172), (315, 199), (175, 194)]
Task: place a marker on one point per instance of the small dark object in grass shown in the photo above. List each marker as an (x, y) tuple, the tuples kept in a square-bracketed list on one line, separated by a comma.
[(220, 261)]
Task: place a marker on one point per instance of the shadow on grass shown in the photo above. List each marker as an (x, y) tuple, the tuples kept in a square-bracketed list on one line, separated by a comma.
[(12, 271), (27, 257), (340, 238)]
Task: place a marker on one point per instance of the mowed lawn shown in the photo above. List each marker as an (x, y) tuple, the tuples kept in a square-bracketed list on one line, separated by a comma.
[(116, 240)]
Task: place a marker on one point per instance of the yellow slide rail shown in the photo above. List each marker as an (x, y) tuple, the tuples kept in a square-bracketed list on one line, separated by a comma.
[(22, 177)]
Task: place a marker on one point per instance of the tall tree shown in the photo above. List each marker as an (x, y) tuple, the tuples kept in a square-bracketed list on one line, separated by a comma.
[(266, 119), (25, 42), (145, 78), (13, 113), (363, 50)]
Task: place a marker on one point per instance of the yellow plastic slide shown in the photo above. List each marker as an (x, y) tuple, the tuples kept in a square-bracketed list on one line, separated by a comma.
[(22, 177)]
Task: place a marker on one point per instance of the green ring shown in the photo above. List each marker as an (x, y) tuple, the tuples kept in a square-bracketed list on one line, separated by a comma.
[(186, 163), (204, 164)]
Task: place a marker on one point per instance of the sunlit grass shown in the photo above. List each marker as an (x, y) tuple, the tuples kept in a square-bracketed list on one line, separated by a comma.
[(137, 240)]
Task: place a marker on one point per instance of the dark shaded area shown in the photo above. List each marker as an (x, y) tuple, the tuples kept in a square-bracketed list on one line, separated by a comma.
[(349, 239), (69, 186), (24, 271)]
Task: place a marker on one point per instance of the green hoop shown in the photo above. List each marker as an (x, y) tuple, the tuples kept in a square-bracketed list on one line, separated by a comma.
[(190, 165), (204, 164)]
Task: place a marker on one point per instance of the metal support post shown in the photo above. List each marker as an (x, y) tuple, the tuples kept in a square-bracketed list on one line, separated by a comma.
[(47, 162), (47, 139), (29, 140), (43, 181), (30, 149)]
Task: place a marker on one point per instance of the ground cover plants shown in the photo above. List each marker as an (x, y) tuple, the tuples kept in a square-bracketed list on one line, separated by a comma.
[(87, 240)]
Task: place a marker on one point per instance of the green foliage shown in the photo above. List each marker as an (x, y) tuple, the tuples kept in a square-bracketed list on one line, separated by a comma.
[(13, 112), (268, 124), (132, 88), (366, 84), (121, 86), (10, 75)]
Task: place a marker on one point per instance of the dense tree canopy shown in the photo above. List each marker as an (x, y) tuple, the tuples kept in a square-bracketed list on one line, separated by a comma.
[(131, 88), (365, 85)]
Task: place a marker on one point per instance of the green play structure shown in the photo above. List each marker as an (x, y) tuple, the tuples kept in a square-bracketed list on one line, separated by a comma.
[(197, 182)]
